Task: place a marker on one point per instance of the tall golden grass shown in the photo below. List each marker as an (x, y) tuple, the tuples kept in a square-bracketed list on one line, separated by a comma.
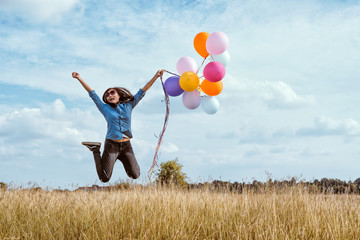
[(171, 213)]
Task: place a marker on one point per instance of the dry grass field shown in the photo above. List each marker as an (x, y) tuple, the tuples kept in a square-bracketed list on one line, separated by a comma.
[(171, 213)]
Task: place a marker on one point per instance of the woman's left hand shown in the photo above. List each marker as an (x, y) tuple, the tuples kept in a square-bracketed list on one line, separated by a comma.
[(159, 73), (150, 83)]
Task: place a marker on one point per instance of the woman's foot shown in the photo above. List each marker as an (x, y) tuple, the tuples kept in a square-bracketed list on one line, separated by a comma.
[(93, 146)]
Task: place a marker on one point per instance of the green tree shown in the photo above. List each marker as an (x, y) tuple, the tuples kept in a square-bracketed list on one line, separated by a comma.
[(170, 172)]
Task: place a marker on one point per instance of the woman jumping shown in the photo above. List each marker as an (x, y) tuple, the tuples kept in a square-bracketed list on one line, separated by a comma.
[(116, 106)]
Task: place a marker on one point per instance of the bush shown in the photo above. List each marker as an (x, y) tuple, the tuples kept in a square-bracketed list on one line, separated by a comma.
[(170, 172), (3, 186)]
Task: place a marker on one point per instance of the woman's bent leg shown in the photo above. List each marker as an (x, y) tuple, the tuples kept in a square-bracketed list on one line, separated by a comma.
[(127, 157), (105, 164)]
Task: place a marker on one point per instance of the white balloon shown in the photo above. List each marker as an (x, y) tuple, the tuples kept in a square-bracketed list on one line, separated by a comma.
[(223, 58), (210, 104)]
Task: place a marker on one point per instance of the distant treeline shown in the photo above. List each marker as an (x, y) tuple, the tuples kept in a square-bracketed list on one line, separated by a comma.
[(325, 185)]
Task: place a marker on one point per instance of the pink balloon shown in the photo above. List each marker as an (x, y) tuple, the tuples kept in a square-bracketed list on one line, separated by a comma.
[(217, 43), (214, 71), (186, 64), (191, 100)]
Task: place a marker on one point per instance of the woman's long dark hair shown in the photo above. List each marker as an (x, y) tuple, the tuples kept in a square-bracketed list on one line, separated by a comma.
[(125, 95)]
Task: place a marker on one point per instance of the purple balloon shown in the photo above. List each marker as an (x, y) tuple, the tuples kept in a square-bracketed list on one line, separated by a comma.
[(172, 86), (191, 100)]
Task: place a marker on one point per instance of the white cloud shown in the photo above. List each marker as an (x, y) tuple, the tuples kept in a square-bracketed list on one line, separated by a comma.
[(325, 126), (274, 94), (42, 10), (170, 148), (51, 122), (280, 95), (44, 142), (25, 42)]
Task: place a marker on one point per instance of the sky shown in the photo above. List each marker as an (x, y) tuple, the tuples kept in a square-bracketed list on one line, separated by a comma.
[(289, 107)]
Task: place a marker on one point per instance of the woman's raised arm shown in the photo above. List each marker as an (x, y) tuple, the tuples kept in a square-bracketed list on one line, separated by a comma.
[(83, 83), (151, 82)]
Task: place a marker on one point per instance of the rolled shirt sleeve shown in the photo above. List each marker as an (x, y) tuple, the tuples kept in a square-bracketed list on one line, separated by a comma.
[(138, 96), (99, 104)]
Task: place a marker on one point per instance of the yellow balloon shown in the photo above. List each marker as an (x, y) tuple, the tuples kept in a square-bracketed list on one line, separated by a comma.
[(189, 81)]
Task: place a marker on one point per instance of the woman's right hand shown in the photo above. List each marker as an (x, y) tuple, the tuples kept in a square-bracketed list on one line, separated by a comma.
[(83, 83), (75, 75)]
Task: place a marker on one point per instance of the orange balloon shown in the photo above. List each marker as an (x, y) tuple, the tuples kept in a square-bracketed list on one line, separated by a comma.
[(211, 88), (200, 43)]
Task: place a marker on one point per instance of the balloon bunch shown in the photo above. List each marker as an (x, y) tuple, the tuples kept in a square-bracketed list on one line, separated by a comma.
[(197, 90)]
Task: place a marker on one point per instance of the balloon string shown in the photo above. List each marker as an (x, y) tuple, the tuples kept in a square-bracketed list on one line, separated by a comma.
[(155, 160), (200, 66), (171, 73), (167, 102)]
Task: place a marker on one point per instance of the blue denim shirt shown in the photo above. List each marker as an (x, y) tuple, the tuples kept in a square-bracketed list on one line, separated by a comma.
[(118, 119)]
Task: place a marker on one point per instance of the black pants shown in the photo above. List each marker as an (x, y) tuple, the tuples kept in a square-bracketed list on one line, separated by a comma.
[(113, 151)]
